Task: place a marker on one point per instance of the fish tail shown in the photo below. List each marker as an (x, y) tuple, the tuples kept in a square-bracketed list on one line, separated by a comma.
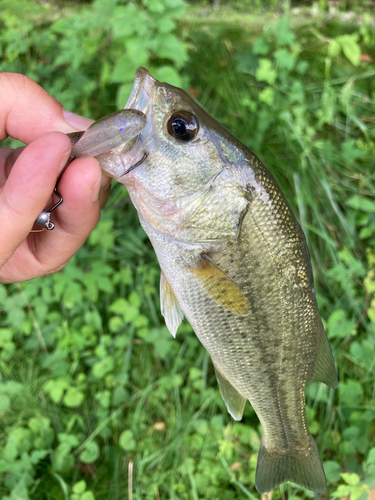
[(305, 469)]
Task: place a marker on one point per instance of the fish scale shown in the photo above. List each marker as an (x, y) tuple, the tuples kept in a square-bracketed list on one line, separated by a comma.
[(235, 262)]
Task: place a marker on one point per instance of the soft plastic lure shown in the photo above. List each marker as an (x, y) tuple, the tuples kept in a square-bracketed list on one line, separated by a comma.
[(102, 136)]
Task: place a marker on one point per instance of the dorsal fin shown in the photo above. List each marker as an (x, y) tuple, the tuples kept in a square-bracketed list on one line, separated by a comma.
[(220, 287), (233, 399), (169, 306)]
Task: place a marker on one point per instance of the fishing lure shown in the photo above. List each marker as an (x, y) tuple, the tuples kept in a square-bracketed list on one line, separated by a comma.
[(109, 132)]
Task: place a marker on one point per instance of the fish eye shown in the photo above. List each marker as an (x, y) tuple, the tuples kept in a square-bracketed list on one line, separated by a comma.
[(182, 126)]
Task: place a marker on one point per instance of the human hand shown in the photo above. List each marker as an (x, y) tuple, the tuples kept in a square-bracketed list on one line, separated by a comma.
[(28, 176)]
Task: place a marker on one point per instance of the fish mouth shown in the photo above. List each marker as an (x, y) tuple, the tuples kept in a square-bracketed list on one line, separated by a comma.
[(139, 99), (141, 91)]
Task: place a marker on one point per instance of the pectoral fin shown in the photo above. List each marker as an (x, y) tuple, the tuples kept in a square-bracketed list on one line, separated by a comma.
[(169, 306), (233, 399), (220, 287), (324, 368)]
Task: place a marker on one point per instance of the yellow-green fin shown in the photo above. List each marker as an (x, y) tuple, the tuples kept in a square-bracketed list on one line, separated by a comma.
[(324, 368), (220, 287), (169, 306), (233, 399)]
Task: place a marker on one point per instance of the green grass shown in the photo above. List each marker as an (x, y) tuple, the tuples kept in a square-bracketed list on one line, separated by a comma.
[(93, 387)]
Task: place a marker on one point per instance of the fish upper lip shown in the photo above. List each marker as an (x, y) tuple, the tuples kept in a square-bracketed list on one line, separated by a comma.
[(143, 82), (136, 164)]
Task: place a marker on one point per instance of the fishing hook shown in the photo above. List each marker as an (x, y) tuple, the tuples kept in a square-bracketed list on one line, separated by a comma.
[(136, 164)]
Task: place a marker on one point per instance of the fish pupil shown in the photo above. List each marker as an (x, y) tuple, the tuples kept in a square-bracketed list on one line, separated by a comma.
[(180, 128)]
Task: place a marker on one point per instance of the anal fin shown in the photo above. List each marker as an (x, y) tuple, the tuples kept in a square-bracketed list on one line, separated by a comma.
[(234, 401), (169, 306), (220, 287)]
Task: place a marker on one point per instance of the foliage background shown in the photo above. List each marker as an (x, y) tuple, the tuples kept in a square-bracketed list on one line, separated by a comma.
[(97, 401)]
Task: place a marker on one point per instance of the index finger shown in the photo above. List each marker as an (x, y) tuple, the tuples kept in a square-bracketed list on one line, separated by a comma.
[(27, 111)]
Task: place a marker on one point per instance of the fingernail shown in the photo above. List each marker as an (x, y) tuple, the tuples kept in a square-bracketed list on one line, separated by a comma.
[(95, 189), (77, 121), (64, 159)]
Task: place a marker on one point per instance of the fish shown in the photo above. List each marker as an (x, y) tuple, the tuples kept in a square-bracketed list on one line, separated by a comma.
[(234, 261)]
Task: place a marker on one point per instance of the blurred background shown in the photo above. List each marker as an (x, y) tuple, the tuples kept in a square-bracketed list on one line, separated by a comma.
[(97, 400)]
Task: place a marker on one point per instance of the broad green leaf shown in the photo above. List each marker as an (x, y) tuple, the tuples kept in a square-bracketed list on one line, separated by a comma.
[(363, 352), (56, 388), (339, 325), (12, 388), (284, 35), (261, 47), (350, 393), (201, 426), (73, 397), (247, 62), (127, 441), (137, 51), (79, 487), (119, 306), (265, 72), (267, 96), (115, 323), (359, 203), (4, 402), (119, 396), (123, 93), (350, 478), (101, 368), (366, 232), (63, 458), (104, 398), (156, 6), (333, 471), (285, 59), (168, 46), (350, 47), (69, 439), (38, 455), (166, 25), (125, 19), (168, 74), (87, 495), (351, 152), (20, 490), (334, 48), (91, 453)]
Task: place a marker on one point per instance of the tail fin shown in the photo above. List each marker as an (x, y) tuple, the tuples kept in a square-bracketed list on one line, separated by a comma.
[(274, 468)]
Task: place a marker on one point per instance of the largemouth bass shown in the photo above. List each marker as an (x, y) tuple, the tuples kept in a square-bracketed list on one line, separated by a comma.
[(234, 261)]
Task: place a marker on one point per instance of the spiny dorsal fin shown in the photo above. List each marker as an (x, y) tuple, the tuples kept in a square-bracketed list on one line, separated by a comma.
[(220, 287), (324, 368), (233, 399), (169, 306)]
